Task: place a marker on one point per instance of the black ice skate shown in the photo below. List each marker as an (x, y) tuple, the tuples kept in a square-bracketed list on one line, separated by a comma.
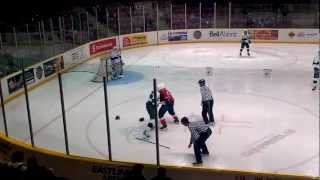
[(205, 153), (163, 127), (197, 163), (146, 134), (248, 54), (176, 120), (114, 78), (314, 88), (211, 123)]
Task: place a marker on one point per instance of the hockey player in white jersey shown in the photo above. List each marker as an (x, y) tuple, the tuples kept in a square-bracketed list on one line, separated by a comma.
[(245, 42), (116, 64), (316, 71)]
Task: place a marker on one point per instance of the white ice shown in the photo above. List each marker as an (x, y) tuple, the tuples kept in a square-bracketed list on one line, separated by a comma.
[(267, 123)]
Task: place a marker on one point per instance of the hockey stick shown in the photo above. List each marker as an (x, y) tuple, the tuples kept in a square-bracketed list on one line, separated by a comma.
[(145, 140)]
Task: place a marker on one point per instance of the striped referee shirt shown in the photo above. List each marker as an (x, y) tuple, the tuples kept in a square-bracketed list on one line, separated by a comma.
[(206, 93), (316, 61), (196, 128)]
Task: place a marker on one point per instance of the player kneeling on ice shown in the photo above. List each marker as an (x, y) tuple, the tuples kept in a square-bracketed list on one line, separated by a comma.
[(116, 64), (151, 109), (245, 42), (167, 104), (200, 132), (316, 71)]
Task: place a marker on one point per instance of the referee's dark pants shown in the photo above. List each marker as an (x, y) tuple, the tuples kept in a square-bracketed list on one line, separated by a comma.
[(200, 146), (207, 110)]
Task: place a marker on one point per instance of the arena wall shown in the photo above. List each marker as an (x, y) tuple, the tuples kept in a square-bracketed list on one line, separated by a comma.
[(81, 168)]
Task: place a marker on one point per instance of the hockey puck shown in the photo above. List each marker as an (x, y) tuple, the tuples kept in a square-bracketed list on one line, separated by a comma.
[(141, 119), (117, 117)]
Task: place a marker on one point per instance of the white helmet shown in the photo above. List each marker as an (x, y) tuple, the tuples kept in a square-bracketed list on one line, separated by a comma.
[(161, 86)]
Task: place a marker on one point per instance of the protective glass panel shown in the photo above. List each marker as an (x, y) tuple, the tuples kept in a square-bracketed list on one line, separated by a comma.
[(125, 20), (207, 15), (138, 18), (164, 16), (16, 110), (178, 19), (85, 112), (193, 15), (45, 108)]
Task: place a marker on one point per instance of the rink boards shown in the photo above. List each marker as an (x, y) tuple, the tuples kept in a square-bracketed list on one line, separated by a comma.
[(41, 72), (96, 169)]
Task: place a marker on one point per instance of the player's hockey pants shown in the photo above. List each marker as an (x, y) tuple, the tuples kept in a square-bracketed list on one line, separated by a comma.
[(116, 69), (244, 45), (200, 146), (207, 111), (151, 109), (167, 107)]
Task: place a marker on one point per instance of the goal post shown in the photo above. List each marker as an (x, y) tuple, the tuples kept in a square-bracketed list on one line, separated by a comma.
[(103, 65)]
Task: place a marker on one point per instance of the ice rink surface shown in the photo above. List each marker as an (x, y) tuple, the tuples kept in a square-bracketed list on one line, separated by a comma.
[(265, 122)]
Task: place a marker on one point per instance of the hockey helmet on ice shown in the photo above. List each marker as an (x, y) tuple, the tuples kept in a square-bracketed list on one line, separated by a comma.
[(201, 81), (151, 95)]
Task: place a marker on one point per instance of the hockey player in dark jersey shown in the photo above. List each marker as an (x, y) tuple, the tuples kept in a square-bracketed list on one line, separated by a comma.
[(151, 109), (245, 42), (167, 105), (316, 71)]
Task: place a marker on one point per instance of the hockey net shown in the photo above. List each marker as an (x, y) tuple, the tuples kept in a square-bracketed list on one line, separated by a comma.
[(103, 65)]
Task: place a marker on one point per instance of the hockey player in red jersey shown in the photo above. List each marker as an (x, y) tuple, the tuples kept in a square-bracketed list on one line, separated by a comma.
[(167, 105)]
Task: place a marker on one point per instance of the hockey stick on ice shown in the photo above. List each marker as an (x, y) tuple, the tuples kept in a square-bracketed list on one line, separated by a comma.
[(145, 140)]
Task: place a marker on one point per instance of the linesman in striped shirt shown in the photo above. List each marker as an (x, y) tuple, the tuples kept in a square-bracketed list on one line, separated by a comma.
[(206, 102), (200, 132)]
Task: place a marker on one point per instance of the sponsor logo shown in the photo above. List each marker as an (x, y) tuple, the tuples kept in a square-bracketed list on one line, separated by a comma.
[(291, 34), (53, 66), (77, 54), (177, 36), (164, 37), (134, 40), (265, 34), (303, 34), (101, 46), (197, 34), (221, 34), (39, 72), (16, 82)]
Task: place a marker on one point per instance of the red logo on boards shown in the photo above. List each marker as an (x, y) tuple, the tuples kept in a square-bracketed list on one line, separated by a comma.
[(101, 46)]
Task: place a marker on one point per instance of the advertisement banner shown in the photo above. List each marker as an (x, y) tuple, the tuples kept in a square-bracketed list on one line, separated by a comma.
[(264, 34), (197, 34), (51, 67), (39, 72), (178, 36), (75, 56), (224, 34), (302, 35), (16, 82), (101, 46), (134, 40)]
